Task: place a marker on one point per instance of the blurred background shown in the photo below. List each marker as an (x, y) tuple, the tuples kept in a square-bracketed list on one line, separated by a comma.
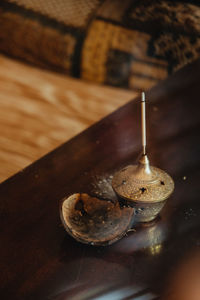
[(65, 64)]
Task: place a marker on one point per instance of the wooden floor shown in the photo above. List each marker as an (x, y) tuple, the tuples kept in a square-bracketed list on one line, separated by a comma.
[(39, 110)]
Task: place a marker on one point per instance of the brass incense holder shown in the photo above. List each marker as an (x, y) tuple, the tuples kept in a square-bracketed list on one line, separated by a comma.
[(142, 186), (141, 193)]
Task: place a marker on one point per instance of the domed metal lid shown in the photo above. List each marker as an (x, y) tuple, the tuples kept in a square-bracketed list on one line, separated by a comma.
[(143, 183)]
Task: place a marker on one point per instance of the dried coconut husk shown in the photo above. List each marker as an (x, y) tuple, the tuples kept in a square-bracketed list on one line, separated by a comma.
[(95, 221)]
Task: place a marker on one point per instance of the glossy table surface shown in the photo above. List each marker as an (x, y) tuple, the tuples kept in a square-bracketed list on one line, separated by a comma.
[(39, 260)]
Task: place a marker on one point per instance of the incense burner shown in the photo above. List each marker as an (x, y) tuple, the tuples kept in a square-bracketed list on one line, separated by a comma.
[(142, 186)]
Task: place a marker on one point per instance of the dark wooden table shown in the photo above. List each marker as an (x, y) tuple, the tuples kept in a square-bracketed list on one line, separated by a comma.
[(39, 260)]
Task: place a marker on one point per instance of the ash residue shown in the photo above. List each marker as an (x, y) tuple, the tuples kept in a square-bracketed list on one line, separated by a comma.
[(190, 213), (102, 187)]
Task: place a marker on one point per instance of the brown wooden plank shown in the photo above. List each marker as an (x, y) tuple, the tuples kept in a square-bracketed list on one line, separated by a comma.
[(40, 109)]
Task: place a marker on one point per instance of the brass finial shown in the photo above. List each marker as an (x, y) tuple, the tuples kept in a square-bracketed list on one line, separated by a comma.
[(143, 119)]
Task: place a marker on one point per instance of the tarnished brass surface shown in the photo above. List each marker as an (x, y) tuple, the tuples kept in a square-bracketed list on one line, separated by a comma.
[(129, 186), (143, 187)]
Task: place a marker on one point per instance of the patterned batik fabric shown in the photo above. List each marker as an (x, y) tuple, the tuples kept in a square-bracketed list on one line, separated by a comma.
[(130, 43), (46, 33)]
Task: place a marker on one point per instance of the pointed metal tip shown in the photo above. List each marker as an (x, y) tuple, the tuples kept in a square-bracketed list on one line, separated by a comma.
[(143, 97), (143, 121)]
